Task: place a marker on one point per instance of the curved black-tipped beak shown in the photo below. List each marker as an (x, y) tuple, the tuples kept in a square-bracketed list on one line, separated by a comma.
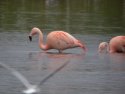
[(30, 38)]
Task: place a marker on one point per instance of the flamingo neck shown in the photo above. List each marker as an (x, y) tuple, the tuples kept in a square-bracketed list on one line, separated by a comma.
[(41, 44), (107, 49)]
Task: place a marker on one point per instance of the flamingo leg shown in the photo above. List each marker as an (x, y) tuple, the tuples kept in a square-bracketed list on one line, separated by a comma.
[(60, 51)]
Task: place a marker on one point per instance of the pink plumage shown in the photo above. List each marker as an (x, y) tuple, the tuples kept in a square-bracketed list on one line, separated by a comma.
[(59, 40), (116, 45)]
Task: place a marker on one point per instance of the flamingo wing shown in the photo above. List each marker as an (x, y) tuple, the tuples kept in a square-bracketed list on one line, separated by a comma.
[(60, 40)]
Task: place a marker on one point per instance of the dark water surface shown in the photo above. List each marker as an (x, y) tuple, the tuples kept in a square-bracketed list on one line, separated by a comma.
[(91, 21)]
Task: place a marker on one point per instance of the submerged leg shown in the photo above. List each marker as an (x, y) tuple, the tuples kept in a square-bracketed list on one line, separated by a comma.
[(60, 51)]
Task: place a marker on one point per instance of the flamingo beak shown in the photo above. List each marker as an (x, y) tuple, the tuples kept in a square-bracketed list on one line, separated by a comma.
[(82, 45), (30, 38), (84, 48)]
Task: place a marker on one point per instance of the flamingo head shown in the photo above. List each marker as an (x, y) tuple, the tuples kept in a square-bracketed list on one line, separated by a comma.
[(82, 45), (33, 32), (84, 48), (103, 46)]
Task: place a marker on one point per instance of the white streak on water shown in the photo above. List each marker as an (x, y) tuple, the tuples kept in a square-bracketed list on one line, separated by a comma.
[(32, 88)]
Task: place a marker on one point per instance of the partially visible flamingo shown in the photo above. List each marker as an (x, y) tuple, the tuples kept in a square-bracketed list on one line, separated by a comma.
[(103, 47), (59, 40), (116, 45)]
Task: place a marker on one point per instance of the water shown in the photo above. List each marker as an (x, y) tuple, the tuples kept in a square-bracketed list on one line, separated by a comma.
[(91, 21), (91, 73)]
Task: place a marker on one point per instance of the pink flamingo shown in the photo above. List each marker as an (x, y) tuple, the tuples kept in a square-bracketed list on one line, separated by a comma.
[(103, 47), (116, 45), (59, 40)]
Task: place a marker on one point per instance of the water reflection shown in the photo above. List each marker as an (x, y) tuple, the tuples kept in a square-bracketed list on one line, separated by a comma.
[(51, 61), (115, 61)]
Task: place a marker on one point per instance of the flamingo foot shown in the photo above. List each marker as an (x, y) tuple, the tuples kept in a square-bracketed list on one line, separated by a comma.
[(31, 90)]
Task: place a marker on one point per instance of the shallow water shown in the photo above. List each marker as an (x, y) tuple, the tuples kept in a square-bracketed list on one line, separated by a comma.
[(91, 21), (89, 73)]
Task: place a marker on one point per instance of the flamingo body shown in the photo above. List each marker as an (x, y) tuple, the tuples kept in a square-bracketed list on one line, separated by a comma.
[(116, 45), (59, 40)]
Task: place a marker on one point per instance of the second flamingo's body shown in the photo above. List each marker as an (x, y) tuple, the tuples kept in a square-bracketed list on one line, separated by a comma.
[(59, 40), (116, 45)]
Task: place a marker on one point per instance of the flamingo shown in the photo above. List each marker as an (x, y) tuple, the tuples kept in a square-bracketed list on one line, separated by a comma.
[(116, 45), (59, 40), (103, 47)]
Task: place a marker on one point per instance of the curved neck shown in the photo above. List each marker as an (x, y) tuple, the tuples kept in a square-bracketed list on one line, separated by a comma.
[(107, 49), (41, 44), (38, 31)]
